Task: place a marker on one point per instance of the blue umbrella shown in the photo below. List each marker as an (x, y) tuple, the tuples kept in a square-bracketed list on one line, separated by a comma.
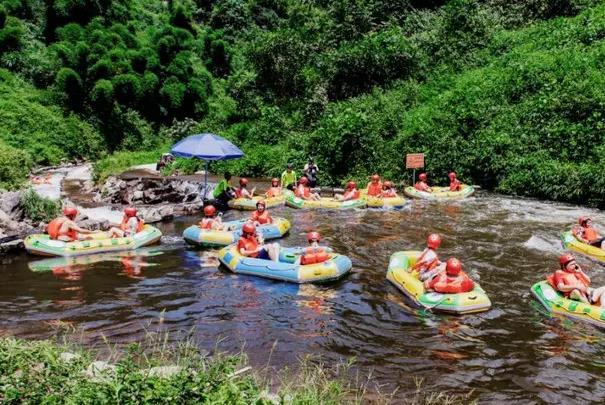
[(206, 147)]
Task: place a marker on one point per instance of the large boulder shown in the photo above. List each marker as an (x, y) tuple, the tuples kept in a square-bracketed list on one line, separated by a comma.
[(10, 203)]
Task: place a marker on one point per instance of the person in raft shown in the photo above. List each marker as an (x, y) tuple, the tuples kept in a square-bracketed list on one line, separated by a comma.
[(303, 191), (261, 215), (131, 224), (451, 281), (428, 264), (422, 185), (351, 193), (455, 184), (288, 178), (211, 221), (314, 253), (586, 233), (223, 191), (388, 190), (242, 190), (374, 187), (250, 246), (275, 190), (65, 229), (310, 170), (574, 283)]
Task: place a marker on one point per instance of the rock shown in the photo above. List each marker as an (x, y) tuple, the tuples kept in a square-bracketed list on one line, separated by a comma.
[(166, 212), (151, 215), (10, 203), (94, 224), (137, 196), (100, 371), (68, 357), (12, 246)]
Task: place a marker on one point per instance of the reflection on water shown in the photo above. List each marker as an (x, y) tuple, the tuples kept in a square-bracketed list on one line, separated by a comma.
[(514, 352)]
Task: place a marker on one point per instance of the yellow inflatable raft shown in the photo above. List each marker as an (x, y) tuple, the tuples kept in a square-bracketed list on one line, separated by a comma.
[(440, 193), (325, 202), (249, 204), (377, 202), (557, 303), (570, 242), (409, 284)]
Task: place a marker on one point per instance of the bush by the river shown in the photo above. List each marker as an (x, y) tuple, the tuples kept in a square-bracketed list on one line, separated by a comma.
[(38, 208)]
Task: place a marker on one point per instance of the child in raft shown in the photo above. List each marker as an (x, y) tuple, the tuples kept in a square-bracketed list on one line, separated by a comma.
[(314, 253), (374, 187), (275, 190), (388, 190), (250, 245), (574, 283), (351, 193), (211, 221), (261, 215), (428, 264), (131, 224), (422, 185), (586, 233), (455, 184), (64, 228), (242, 190), (451, 281), (303, 191)]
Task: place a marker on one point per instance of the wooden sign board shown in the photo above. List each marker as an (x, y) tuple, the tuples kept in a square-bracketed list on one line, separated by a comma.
[(414, 161)]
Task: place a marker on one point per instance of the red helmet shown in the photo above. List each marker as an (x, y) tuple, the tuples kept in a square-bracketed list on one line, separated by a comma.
[(565, 258), (311, 236), (209, 210), (433, 241), (243, 181), (452, 175), (303, 180), (351, 185), (422, 176), (249, 229), (70, 212), (261, 202), (375, 178), (130, 211), (388, 184), (274, 181), (453, 267), (583, 220)]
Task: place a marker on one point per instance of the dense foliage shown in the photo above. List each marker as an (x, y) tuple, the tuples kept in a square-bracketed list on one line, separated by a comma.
[(508, 93)]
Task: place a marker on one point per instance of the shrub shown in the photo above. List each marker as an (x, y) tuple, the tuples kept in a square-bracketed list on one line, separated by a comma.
[(38, 208), (13, 175)]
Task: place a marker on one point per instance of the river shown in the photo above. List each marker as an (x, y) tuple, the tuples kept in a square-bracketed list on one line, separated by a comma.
[(514, 352)]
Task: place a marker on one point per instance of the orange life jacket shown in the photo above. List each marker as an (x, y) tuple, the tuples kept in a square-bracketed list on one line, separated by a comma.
[(263, 218), (452, 285), (455, 185), (374, 189), (206, 223), (126, 228), (352, 194), (425, 266), (303, 192), (54, 229), (567, 278), (590, 234), (274, 192), (313, 255), (248, 244), (421, 186)]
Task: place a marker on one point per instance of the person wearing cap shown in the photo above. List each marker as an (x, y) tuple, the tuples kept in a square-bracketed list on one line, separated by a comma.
[(242, 190), (421, 184), (261, 215), (573, 283), (451, 281), (587, 233), (211, 221), (310, 170), (64, 228), (351, 193), (288, 178), (314, 253), (275, 190), (428, 262), (374, 187), (131, 224), (249, 245)]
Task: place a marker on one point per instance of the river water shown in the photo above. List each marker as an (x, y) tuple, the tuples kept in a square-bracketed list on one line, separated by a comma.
[(514, 352)]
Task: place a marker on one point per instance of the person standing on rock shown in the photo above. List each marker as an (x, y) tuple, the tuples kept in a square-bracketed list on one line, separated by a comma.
[(65, 229), (223, 191)]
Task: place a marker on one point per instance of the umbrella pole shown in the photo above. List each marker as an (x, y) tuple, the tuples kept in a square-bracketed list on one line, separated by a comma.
[(205, 181)]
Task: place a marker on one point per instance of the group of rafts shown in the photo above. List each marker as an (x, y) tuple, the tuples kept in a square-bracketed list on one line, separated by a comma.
[(418, 274)]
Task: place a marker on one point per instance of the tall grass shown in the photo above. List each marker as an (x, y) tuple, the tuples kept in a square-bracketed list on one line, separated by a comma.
[(38, 208)]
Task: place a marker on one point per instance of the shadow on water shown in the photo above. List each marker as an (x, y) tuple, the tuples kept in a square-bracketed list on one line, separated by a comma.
[(513, 352)]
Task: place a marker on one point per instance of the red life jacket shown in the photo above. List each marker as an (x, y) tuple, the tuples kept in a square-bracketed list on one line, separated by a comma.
[(425, 266), (590, 234), (303, 192), (54, 229), (263, 218), (455, 185), (567, 279), (452, 285), (126, 228), (206, 223), (374, 189), (248, 244), (352, 194), (313, 255), (421, 186)]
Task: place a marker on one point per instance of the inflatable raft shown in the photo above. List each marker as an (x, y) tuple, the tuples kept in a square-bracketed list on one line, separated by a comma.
[(570, 242), (194, 235), (41, 244), (249, 204), (325, 203), (409, 284), (556, 303), (375, 202), (288, 268), (440, 193)]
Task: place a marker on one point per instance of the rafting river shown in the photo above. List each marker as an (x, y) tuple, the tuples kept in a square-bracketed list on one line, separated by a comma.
[(514, 352)]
